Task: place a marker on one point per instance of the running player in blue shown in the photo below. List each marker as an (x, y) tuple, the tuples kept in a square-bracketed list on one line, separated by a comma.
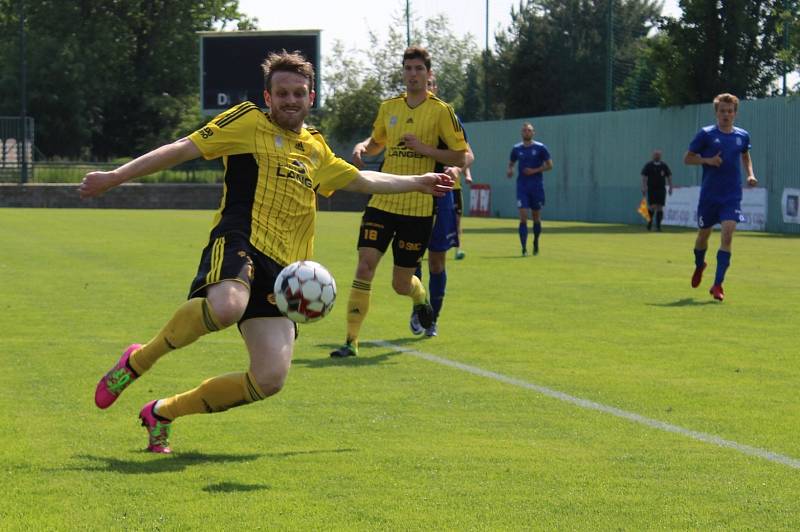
[(722, 150), (444, 236), (534, 159)]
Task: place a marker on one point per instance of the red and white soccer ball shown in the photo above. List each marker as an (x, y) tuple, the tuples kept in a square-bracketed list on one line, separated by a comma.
[(305, 291)]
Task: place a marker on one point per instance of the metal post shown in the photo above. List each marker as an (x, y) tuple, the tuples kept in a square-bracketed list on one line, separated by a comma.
[(23, 93), (610, 62), (408, 22), (786, 22), (486, 68), (486, 46)]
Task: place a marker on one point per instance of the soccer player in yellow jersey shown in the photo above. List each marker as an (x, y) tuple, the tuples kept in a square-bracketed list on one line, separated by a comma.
[(274, 166), (408, 129)]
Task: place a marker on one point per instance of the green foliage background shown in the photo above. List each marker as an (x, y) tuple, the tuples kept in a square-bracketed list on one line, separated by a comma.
[(116, 78)]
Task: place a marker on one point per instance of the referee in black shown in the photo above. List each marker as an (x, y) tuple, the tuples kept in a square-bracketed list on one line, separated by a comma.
[(656, 175)]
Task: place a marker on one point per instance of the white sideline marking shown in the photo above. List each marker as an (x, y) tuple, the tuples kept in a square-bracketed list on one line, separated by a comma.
[(591, 405)]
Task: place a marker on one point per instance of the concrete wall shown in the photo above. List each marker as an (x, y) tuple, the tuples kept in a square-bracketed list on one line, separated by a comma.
[(145, 196)]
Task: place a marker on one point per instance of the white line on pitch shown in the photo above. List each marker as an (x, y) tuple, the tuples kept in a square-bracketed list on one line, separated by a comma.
[(591, 405)]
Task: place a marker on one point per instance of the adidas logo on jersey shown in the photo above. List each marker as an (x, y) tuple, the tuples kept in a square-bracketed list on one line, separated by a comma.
[(410, 120)]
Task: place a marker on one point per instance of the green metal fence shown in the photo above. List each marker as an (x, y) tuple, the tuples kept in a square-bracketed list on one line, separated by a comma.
[(598, 157)]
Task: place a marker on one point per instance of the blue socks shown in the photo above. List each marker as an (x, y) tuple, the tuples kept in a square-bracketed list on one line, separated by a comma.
[(723, 261), (699, 257), (436, 287), (537, 230), (523, 235)]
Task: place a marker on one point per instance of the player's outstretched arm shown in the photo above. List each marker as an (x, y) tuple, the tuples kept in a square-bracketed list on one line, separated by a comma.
[(369, 182), (167, 156)]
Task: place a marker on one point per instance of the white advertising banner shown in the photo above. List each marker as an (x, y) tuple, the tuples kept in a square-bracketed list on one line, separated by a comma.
[(790, 205), (681, 208)]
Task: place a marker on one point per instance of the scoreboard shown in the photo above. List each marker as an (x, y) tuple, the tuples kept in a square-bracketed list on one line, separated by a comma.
[(230, 64)]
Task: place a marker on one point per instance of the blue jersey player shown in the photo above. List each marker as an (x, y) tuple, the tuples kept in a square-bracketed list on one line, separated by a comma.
[(444, 236), (722, 150), (533, 158)]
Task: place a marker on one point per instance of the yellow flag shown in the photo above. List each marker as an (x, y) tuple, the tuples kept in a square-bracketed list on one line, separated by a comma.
[(643, 210)]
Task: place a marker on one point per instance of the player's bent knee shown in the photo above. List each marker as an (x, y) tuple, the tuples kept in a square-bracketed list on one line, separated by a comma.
[(401, 286), (271, 382), (228, 312), (365, 271)]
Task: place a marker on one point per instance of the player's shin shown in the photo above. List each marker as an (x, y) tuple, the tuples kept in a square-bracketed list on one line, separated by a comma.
[(523, 235), (357, 308), (192, 320), (437, 285), (213, 395), (723, 261), (418, 293)]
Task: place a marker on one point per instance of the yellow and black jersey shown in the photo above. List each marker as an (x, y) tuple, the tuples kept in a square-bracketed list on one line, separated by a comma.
[(432, 122), (271, 177)]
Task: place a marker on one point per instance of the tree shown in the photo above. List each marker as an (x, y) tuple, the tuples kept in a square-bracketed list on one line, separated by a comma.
[(638, 87), (789, 34), (108, 78), (716, 47), (552, 58), (351, 100), (356, 82)]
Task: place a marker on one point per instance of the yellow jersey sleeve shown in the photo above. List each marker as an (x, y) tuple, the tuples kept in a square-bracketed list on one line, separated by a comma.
[(229, 133), (450, 128), (379, 133), (333, 172)]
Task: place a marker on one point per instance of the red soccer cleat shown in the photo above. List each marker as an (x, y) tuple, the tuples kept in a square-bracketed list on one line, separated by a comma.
[(697, 276), (717, 292)]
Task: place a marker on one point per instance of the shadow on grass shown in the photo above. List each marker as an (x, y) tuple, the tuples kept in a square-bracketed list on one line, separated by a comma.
[(686, 302), (179, 461), (234, 487), (162, 464), (362, 360), (506, 257)]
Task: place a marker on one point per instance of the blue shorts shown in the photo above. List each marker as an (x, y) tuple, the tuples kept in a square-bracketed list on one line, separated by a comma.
[(712, 212), (530, 197), (445, 231)]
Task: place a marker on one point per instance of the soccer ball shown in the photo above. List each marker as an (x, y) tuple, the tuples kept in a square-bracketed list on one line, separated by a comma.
[(305, 291)]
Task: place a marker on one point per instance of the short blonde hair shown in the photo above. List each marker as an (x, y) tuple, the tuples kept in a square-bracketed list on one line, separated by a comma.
[(726, 97)]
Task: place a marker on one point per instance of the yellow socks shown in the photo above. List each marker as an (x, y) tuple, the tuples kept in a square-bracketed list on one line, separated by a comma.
[(213, 395), (357, 308), (418, 293), (192, 320)]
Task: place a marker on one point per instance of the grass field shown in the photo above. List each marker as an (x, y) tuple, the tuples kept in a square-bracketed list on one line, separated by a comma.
[(465, 431)]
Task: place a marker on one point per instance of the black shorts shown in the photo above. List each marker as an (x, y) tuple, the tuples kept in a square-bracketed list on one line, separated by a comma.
[(409, 235), (223, 260), (459, 199), (656, 196)]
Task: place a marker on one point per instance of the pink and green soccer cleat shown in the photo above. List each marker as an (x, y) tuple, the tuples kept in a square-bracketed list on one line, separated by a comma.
[(116, 380), (158, 429)]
